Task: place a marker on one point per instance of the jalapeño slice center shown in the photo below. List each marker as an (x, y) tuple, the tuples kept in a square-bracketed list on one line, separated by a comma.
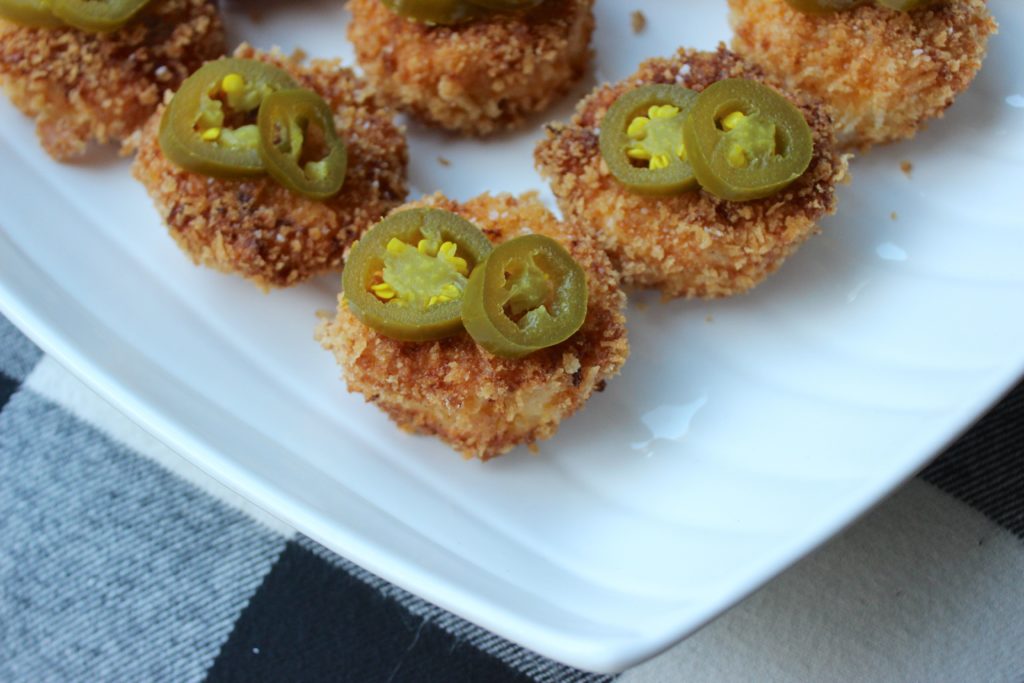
[(658, 137), (226, 113), (750, 141), (529, 291), (422, 275)]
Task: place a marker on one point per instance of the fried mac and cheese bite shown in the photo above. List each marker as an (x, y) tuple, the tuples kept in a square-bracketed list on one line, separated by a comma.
[(886, 72), (485, 74), (692, 243), (258, 227), (481, 404), (83, 86)]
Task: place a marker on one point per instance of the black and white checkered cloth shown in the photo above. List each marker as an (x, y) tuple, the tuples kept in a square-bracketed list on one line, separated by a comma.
[(121, 562)]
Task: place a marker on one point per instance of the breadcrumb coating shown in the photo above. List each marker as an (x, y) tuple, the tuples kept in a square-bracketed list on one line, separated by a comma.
[(101, 87), (481, 404), (476, 78), (691, 244), (263, 231), (885, 72)]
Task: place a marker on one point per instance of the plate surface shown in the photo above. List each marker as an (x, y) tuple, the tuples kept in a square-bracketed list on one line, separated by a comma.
[(741, 434)]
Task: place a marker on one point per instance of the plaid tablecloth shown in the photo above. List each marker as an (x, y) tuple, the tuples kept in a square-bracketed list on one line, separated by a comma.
[(119, 561)]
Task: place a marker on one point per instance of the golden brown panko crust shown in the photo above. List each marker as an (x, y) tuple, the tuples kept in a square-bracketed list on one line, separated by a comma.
[(480, 404), (692, 244), (885, 72), (102, 87), (478, 77), (259, 229)]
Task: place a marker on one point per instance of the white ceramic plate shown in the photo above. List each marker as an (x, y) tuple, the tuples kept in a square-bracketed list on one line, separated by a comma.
[(742, 433)]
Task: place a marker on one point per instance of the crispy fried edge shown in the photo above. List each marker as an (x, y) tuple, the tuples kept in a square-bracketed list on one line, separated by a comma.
[(258, 228), (453, 388), (101, 87), (693, 244), (476, 78), (885, 72)]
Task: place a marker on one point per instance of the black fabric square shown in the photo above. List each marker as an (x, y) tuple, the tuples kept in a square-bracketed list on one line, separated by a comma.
[(311, 621), (985, 468), (7, 387)]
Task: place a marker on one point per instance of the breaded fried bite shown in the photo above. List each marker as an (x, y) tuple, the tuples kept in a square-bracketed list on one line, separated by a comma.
[(83, 87), (257, 228), (479, 77), (481, 404), (885, 72), (691, 244)]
